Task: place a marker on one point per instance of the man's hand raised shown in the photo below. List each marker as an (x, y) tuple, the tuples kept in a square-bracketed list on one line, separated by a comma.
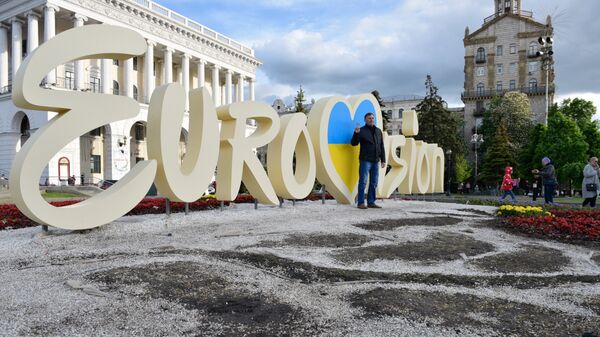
[(357, 128)]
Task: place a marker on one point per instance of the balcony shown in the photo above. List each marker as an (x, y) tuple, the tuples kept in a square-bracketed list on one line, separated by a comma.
[(527, 14), (489, 93), (480, 60)]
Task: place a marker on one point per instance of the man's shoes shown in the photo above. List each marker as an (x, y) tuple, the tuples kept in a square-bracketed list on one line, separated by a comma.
[(373, 206), (362, 206)]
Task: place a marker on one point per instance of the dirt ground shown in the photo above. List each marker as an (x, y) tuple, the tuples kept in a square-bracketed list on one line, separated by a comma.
[(394, 272)]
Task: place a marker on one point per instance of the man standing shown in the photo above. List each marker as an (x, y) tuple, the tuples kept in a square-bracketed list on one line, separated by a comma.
[(370, 139)]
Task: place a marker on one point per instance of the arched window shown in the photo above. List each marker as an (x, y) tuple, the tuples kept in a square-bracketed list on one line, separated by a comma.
[(480, 57), (480, 89), (64, 169), (25, 130), (532, 85), (116, 88), (135, 92)]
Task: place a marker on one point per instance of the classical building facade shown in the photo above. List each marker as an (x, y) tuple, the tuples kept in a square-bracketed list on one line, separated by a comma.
[(394, 107), (178, 50), (501, 56)]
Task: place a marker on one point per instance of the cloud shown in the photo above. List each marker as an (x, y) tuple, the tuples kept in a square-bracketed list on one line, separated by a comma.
[(353, 46)]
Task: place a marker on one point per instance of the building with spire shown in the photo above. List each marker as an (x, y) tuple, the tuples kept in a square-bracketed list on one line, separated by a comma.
[(502, 56)]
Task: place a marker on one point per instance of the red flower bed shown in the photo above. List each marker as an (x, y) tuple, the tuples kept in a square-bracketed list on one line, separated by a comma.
[(564, 224), (12, 218)]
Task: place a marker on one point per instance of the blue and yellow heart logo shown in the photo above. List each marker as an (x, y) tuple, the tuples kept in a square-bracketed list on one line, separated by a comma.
[(332, 122)]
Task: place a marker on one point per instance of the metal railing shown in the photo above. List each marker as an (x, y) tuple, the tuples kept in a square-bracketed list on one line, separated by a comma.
[(193, 25), (6, 89), (403, 98), (533, 90), (527, 14)]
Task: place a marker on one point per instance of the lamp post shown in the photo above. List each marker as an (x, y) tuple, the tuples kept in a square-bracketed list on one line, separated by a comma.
[(449, 173), (546, 53), (476, 140)]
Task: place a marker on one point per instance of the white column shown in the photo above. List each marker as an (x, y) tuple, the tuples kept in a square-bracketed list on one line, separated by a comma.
[(241, 87), (228, 87), (168, 65), (149, 80), (17, 45), (128, 77), (201, 73), (79, 21), (3, 57), (251, 83), (216, 87), (49, 32), (106, 78), (33, 31), (185, 70)]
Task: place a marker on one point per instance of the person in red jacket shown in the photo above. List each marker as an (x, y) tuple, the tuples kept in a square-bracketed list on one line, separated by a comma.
[(507, 184)]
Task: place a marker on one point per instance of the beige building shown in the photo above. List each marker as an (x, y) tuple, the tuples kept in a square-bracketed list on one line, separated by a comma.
[(395, 106), (178, 50), (501, 56)]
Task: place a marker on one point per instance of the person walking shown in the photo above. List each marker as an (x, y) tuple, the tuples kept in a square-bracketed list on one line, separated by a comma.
[(590, 183), (371, 153), (548, 174), (507, 185)]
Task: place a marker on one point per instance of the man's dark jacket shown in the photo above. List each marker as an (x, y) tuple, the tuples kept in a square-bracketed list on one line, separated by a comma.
[(370, 139)]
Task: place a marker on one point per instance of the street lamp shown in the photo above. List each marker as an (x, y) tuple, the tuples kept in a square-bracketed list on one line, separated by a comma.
[(546, 53), (449, 180), (476, 140)]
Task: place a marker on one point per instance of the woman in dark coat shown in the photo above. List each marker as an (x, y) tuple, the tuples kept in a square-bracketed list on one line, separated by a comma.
[(548, 174)]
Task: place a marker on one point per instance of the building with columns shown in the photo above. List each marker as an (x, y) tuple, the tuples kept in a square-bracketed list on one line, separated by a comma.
[(501, 56), (179, 50)]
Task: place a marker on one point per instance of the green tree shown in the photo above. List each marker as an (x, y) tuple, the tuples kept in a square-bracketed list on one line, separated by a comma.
[(582, 112), (499, 154), (462, 168), (565, 145), (514, 112), (437, 125), (299, 101), (529, 157), (384, 115)]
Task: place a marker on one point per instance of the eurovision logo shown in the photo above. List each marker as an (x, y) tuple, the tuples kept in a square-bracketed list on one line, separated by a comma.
[(300, 148)]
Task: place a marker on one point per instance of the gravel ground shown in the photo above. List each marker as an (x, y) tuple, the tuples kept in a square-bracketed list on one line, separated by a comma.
[(410, 269)]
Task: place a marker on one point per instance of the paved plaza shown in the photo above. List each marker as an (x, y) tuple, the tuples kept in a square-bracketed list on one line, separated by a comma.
[(413, 268)]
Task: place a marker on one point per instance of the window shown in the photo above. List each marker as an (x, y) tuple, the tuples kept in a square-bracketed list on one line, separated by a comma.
[(96, 132), (115, 62), (139, 159), (499, 50), (480, 71), (532, 67), (513, 48), (95, 163), (513, 85), (533, 49), (532, 85), (499, 86), (95, 84), (135, 92), (480, 89), (69, 80), (140, 131), (154, 68), (115, 88), (512, 68), (499, 69), (135, 63), (480, 57)]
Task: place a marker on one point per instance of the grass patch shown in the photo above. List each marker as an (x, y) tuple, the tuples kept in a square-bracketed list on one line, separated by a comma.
[(61, 195)]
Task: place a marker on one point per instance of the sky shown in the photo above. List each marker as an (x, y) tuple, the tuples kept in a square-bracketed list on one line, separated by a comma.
[(350, 47)]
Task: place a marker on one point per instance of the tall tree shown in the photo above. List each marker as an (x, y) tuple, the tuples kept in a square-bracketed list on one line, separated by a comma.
[(437, 124), (299, 101), (514, 112), (500, 153), (384, 115), (582, 112), (565, 145)]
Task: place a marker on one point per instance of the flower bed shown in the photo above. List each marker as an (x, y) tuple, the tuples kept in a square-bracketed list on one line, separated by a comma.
[(510, 210), (12, 218), (562, 224)]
